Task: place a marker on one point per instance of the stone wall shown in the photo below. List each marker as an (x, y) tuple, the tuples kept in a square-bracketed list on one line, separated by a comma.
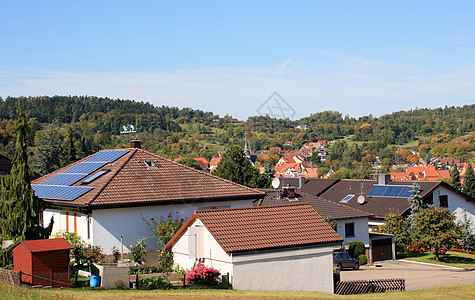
[(9, 277)]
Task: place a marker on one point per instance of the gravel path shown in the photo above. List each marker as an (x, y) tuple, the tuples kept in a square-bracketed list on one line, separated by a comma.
[(417, 275)]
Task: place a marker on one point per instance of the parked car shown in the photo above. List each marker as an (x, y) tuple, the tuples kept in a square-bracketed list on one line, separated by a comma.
[(344, 260)]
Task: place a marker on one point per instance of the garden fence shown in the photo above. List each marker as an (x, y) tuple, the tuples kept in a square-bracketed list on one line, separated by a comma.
[(369, 286)]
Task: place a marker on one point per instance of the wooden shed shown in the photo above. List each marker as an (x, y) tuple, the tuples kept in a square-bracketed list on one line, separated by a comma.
[(48, 258)]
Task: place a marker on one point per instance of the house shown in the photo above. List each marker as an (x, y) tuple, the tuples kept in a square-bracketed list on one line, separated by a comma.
[(384, 196), (5, 165), (48, 258), (107, 197), (271, 248), (352, 223), (213, 163)]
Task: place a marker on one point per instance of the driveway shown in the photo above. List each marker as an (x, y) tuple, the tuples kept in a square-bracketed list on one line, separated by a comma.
[(417, 275)]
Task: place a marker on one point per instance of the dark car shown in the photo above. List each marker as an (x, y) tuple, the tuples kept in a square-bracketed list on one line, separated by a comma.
[(344, 260)]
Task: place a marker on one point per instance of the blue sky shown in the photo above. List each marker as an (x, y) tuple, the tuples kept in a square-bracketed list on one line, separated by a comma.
[(355, 57)]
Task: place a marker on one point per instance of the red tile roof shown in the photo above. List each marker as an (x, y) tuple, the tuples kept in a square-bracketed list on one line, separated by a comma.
[(131, 182), (46, 245), (265, 227)]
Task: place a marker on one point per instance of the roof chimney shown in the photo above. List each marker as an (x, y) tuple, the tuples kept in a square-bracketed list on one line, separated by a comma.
[(288, 191), (384, 179), (136, 144)]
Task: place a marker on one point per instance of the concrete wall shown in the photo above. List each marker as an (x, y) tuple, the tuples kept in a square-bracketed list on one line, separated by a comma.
[(291, 270), (111, 272), (361, 230)]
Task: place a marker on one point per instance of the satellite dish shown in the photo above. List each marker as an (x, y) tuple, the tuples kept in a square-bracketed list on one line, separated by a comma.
[(275, 183), (361, 199)]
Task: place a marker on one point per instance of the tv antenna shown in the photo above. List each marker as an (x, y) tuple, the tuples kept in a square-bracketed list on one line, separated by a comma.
[(361, 199)]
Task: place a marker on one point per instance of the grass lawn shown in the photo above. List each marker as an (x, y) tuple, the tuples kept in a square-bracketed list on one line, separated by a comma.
[(8, 292), (451, 258)]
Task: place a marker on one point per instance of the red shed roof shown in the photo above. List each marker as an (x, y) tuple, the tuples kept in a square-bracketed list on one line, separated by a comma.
[(46, 245)]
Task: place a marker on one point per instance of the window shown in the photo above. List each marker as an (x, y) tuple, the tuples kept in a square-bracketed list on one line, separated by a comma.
[(349, 230), (150, 163), (443, 201), (95, 176), (347, 198)]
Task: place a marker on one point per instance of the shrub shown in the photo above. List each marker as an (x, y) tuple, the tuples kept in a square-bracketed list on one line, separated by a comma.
[(139, 251), (356, 248), (165, 261), (154, 282), (362, 259), (115, 254), (120, 284), (442, 250), (143, 270), (202, 275)]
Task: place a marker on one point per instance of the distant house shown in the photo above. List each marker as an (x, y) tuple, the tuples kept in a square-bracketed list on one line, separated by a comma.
[(203, 163), (303, 127), (108, 196), (271, 248), (5, 165), (213, 163)]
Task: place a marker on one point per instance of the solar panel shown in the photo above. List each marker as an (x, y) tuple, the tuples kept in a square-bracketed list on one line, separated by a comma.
[(63, 179), (95, 176), (392, 191), (85, 167), (107, 155), (59, 192), (377, 191)]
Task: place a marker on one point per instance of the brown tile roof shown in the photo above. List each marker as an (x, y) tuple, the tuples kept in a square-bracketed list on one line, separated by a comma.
[(265, 227), (131, 182), (312, 186), (46, 245), (323, 206)]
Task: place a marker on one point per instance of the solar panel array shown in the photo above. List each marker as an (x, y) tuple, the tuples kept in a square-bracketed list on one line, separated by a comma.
[(59, 187), (58, 192), (391, 191)]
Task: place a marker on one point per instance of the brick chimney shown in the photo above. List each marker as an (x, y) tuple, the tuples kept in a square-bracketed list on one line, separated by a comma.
[(136, 144), (288, 191)]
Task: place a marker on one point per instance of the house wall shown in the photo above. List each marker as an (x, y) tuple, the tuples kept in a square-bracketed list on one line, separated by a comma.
[(291, 270), (211, 253), (108, 225), (361, 230), (67, 220), (457, 204)]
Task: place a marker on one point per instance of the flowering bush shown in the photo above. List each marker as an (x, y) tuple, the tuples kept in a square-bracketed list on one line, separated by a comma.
[(462, 250), (442, 250), (202, 275), (416, 247)]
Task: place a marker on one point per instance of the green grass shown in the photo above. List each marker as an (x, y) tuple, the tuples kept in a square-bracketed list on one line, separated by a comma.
[(451, 258), (8, 292)]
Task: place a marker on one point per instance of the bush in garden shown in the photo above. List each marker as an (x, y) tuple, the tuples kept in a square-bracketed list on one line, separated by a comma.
[(442, 250), (153, 283), (362, 259), (115, 254), (139, 251), (356, 248), (120, 284), (202, 275)]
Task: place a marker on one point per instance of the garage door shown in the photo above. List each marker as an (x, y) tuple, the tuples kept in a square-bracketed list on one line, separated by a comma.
[(382, 249)]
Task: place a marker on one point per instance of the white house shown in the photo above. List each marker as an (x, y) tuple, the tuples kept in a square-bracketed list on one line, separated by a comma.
[(108, 197), (272, 248)]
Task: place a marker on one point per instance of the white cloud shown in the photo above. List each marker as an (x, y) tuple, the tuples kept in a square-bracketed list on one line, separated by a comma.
[(354, 86)]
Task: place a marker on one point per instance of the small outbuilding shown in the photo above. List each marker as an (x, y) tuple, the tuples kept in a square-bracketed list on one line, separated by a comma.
[(274, 248), (48, 258)]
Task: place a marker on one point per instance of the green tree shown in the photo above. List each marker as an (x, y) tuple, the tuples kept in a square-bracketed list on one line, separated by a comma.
[(190, 162), (20, 209), (469, 182), (70, 152), (399, 227), (48, 152), (236, 167), (455, 177), (415, 201), (435, 228)]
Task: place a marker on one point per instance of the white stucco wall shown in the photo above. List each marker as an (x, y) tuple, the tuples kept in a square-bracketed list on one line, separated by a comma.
[(291, 270), (212, 253), (361, 230), (67, 220), (108, 225), (457, 204)]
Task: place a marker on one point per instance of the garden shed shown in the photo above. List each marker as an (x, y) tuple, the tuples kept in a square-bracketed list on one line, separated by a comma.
[(47, 258)]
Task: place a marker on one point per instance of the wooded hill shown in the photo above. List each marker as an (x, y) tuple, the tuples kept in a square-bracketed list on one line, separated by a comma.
[(95, 123)]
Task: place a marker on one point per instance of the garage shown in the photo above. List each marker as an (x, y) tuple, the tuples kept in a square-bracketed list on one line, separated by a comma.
[(382, 247)]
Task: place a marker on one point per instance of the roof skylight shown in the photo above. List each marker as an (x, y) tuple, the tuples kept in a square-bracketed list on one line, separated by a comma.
[(347, 198)]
